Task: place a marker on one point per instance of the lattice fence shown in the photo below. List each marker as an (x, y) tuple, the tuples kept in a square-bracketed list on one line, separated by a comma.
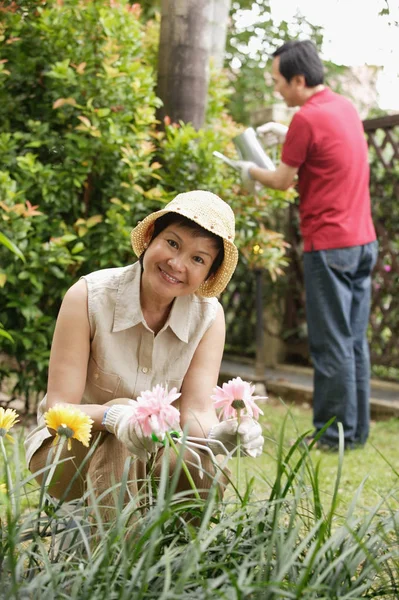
[(383, 139)]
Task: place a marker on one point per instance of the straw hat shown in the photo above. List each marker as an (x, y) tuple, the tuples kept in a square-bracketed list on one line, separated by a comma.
[(213, 214)]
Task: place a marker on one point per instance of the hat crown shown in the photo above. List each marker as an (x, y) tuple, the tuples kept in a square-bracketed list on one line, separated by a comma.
[(206, 209)]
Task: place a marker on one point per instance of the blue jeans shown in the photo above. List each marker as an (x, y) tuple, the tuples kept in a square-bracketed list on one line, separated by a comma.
[(338, 293)]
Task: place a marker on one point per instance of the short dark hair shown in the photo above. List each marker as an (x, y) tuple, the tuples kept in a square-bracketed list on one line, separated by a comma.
[(300, 58), (174, 219)]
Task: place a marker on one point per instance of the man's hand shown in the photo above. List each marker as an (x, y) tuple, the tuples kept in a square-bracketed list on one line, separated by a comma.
[(120, 420), (247, 181), (272, 133), (247, 430)]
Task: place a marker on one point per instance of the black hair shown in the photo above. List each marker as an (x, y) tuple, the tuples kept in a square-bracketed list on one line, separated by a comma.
[(175, 219), (300, 58)]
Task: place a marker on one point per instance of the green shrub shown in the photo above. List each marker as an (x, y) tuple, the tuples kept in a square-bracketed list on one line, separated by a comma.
[(82, 162), (77, 112), (4, 241)]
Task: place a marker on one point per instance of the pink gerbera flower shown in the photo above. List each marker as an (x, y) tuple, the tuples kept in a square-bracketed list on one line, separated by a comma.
[(154, 412), (237, 395)]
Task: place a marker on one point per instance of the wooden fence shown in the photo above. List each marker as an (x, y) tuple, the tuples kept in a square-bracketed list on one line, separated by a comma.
[(383, 139)]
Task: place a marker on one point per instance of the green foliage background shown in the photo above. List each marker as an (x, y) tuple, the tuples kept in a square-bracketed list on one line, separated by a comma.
[(77, 106), (83, 158), (251, 47)]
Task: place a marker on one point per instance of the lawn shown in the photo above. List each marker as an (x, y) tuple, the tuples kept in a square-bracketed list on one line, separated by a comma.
[(377, 464), (292, 530)]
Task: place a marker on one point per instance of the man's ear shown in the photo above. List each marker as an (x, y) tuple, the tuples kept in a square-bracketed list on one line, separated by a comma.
[(299, 81)]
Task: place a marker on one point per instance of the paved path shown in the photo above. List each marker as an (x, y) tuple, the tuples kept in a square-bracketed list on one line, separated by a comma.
[(295, 384)]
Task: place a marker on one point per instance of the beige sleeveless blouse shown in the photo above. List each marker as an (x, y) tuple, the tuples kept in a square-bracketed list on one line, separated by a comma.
[(126, 358)]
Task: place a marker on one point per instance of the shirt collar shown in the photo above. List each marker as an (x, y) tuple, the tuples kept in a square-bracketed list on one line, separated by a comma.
[(128, 311), (180, 317)]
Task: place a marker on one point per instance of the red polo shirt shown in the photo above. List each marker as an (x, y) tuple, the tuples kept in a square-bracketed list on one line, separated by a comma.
[(326, 142)]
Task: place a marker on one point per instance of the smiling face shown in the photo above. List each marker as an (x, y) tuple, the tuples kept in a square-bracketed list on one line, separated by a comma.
[(176, 262)]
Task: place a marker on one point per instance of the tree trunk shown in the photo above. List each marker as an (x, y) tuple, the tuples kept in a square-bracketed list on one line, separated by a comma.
[(183, 63), (220, 19)]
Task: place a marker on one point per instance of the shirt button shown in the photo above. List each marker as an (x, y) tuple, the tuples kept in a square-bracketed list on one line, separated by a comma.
[(145, 369), (96, 375)]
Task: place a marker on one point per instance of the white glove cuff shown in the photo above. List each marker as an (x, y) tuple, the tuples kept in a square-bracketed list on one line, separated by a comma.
[(111, 416), (211, 434), (214, 443)]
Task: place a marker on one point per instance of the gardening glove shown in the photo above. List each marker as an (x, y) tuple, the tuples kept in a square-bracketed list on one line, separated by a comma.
[(247, 181), (226, 432), (272, 133), (120, 420)]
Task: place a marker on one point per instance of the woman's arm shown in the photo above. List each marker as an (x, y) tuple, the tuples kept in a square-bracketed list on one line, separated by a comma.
[(196, 407), (69, 356)]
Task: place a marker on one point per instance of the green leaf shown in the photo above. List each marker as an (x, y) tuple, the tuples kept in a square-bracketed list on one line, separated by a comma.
[(77, 248), (23, 275), (11, 246), (5, 334), (103, 112), (57, 272), (68, 237)]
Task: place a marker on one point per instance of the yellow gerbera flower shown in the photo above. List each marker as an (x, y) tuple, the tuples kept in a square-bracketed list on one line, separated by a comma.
[(3, 488), (70, 422), (8, 418)]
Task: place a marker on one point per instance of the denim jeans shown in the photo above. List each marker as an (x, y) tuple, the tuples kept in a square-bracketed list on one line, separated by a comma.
[(338, 293)]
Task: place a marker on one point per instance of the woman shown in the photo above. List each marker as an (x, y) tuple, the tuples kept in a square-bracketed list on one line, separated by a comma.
[(122, 331)]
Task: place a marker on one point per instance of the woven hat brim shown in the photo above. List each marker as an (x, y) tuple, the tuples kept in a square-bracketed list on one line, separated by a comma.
[(213, 286)]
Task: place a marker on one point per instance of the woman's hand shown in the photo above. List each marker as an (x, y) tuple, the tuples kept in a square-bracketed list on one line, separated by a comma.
[(120, 420), (226, 432)]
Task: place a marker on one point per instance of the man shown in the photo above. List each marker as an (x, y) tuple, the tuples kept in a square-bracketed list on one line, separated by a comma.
[(326, 148)]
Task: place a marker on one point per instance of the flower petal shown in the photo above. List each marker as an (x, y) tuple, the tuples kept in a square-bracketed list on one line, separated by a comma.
[(71, 417)]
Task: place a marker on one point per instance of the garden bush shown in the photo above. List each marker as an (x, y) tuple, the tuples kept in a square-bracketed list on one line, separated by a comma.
[(77, 112), (82, 160)]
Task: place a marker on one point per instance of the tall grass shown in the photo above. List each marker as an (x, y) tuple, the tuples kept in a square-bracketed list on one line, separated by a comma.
[(287, 544)]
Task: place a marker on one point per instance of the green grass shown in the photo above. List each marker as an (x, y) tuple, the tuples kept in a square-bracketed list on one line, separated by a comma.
[(377, 463), (300, 526)]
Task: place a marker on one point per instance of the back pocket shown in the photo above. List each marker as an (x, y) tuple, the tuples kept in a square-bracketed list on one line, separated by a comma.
[(343, 259)]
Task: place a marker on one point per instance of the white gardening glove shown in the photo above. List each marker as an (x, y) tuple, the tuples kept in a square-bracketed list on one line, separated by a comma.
[(247, 181), (272, 133), (249, 430), (120, 420)]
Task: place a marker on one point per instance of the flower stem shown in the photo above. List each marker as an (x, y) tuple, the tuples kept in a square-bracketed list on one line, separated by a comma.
[(238, 452), (12, 520), (8, 473), (184, 466)]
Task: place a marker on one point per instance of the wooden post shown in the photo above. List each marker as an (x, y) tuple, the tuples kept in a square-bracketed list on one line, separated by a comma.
[(260, 337)]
